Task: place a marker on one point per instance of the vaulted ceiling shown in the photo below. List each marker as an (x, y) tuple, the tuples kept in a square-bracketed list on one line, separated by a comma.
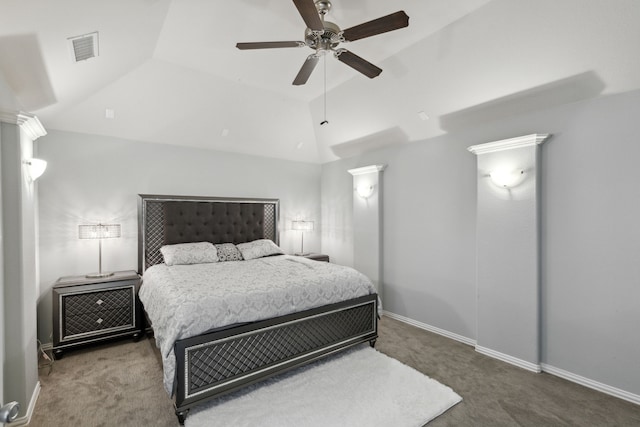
[(170, 72)]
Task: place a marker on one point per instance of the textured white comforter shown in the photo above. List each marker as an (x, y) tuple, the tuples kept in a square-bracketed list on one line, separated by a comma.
[(186, 300)]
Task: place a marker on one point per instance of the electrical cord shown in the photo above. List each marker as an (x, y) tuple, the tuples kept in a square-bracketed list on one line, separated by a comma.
[(49, 359)]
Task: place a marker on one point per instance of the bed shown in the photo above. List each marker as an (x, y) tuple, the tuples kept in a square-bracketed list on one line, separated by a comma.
[(202, 365)]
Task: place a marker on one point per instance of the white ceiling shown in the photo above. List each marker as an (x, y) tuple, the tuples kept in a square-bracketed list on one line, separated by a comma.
[(170, 70)]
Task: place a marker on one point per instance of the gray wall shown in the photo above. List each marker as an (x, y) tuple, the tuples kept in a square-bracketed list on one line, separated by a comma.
[(428, 215), (91, 179), (590, 239)]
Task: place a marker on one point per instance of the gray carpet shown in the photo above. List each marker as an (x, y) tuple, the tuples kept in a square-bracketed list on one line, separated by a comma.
[(115, 384), (120, 384)]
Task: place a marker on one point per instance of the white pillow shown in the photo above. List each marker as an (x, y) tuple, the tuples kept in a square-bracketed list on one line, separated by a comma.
[(258, 249), (189, 253)]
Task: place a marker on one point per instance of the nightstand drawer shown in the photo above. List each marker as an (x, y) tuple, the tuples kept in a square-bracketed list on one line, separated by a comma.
[(97, 322), (97, 301)]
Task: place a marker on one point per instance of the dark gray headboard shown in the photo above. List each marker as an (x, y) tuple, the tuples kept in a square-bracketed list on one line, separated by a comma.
[(166, 220)]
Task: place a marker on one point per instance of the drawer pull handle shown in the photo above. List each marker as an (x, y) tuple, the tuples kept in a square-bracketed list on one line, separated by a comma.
[(99, 321), (99, 302)]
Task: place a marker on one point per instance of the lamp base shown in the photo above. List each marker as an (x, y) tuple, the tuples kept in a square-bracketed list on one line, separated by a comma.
[(98, 275), (302, 253)]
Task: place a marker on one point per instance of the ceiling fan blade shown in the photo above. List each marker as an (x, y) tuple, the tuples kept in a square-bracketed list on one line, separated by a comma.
[(268, 45), (377, 26), (309, 13), (306, 70), (359, 64)]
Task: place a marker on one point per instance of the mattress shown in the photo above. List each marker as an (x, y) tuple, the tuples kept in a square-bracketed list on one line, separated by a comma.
[(183, 301)]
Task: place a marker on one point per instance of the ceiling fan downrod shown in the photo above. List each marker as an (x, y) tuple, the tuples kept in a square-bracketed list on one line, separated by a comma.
[(323, 6)]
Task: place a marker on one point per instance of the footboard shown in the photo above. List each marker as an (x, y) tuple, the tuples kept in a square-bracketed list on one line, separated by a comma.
[(220, 362)]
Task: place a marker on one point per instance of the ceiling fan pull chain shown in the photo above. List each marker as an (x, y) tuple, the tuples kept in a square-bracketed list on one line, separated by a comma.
[(325, 121)]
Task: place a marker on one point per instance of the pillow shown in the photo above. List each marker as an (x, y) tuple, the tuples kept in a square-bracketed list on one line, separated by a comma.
[(228, 252), (259, 248), (189, 253)]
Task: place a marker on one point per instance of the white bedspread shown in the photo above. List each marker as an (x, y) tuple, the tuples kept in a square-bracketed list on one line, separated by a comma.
[(186, 300)]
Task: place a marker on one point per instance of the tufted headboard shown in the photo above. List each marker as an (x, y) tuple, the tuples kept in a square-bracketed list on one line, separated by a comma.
[(165, 220)]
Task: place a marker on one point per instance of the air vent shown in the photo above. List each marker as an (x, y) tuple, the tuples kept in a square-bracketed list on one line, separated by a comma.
[(84, 47)]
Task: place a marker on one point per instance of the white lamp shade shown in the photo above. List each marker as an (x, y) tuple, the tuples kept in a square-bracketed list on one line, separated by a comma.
[(302, 225), (364, 190), (507, 178), (36, 168), (99, 231)]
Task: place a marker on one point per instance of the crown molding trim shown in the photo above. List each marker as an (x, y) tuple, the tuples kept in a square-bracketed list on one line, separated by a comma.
[(367, 169), (509, 144), (29, 123)]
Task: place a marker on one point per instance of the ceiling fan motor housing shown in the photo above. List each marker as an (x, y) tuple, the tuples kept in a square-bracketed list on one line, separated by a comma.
[(329, 39)]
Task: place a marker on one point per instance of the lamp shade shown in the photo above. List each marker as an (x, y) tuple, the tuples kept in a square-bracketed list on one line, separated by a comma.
[(507, 178), (365, 190), (99, 231), (302, 225), (36, 168)]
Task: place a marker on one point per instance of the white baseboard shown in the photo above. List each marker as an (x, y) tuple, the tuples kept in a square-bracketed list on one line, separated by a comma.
[(430, 328), (529, 366), (595, 385), (542, 367), (23, 421)]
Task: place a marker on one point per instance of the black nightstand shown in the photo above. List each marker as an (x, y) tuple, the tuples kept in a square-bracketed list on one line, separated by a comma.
[(317, 257), (87, 310)]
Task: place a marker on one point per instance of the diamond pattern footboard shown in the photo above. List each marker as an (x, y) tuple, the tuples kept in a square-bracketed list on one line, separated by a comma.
[(220, 362)]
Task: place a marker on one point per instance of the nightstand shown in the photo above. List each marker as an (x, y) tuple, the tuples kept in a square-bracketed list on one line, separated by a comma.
[(87, 310), (317, 257)]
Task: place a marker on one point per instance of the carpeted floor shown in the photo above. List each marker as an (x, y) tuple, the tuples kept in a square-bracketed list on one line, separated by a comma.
[(120, 384)]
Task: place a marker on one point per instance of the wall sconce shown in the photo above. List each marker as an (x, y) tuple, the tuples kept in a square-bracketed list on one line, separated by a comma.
[(507, 178), (35, 168), (99, 231), (364, 190), (302, 226)]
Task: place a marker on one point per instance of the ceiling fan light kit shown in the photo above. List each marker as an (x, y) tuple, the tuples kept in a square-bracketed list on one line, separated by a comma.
[(324, 37)]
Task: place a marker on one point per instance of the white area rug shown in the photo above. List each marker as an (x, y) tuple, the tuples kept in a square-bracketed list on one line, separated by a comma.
[(360, 387)]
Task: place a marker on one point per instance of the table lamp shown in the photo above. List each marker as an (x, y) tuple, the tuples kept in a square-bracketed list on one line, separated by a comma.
[(99, 231), (302, 226)]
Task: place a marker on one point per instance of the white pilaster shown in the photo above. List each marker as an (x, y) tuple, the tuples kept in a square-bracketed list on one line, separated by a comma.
[(367, 222), (508, 265)]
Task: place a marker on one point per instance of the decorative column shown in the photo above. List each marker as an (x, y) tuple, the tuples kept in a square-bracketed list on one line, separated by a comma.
[(508, 265), (19, 261), (367, 222)]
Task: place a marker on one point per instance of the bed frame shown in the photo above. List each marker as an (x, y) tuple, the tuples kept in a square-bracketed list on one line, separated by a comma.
[(224, 360)]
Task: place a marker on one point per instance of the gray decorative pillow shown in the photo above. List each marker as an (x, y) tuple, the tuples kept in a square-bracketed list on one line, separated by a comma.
[(259, 248), (228, 252), (189, 253)]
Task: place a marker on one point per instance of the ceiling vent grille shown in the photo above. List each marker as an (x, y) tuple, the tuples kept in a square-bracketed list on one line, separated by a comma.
[(84, 47)]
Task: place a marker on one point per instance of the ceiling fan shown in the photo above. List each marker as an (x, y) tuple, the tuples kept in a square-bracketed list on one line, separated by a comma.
[(324, 37)]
